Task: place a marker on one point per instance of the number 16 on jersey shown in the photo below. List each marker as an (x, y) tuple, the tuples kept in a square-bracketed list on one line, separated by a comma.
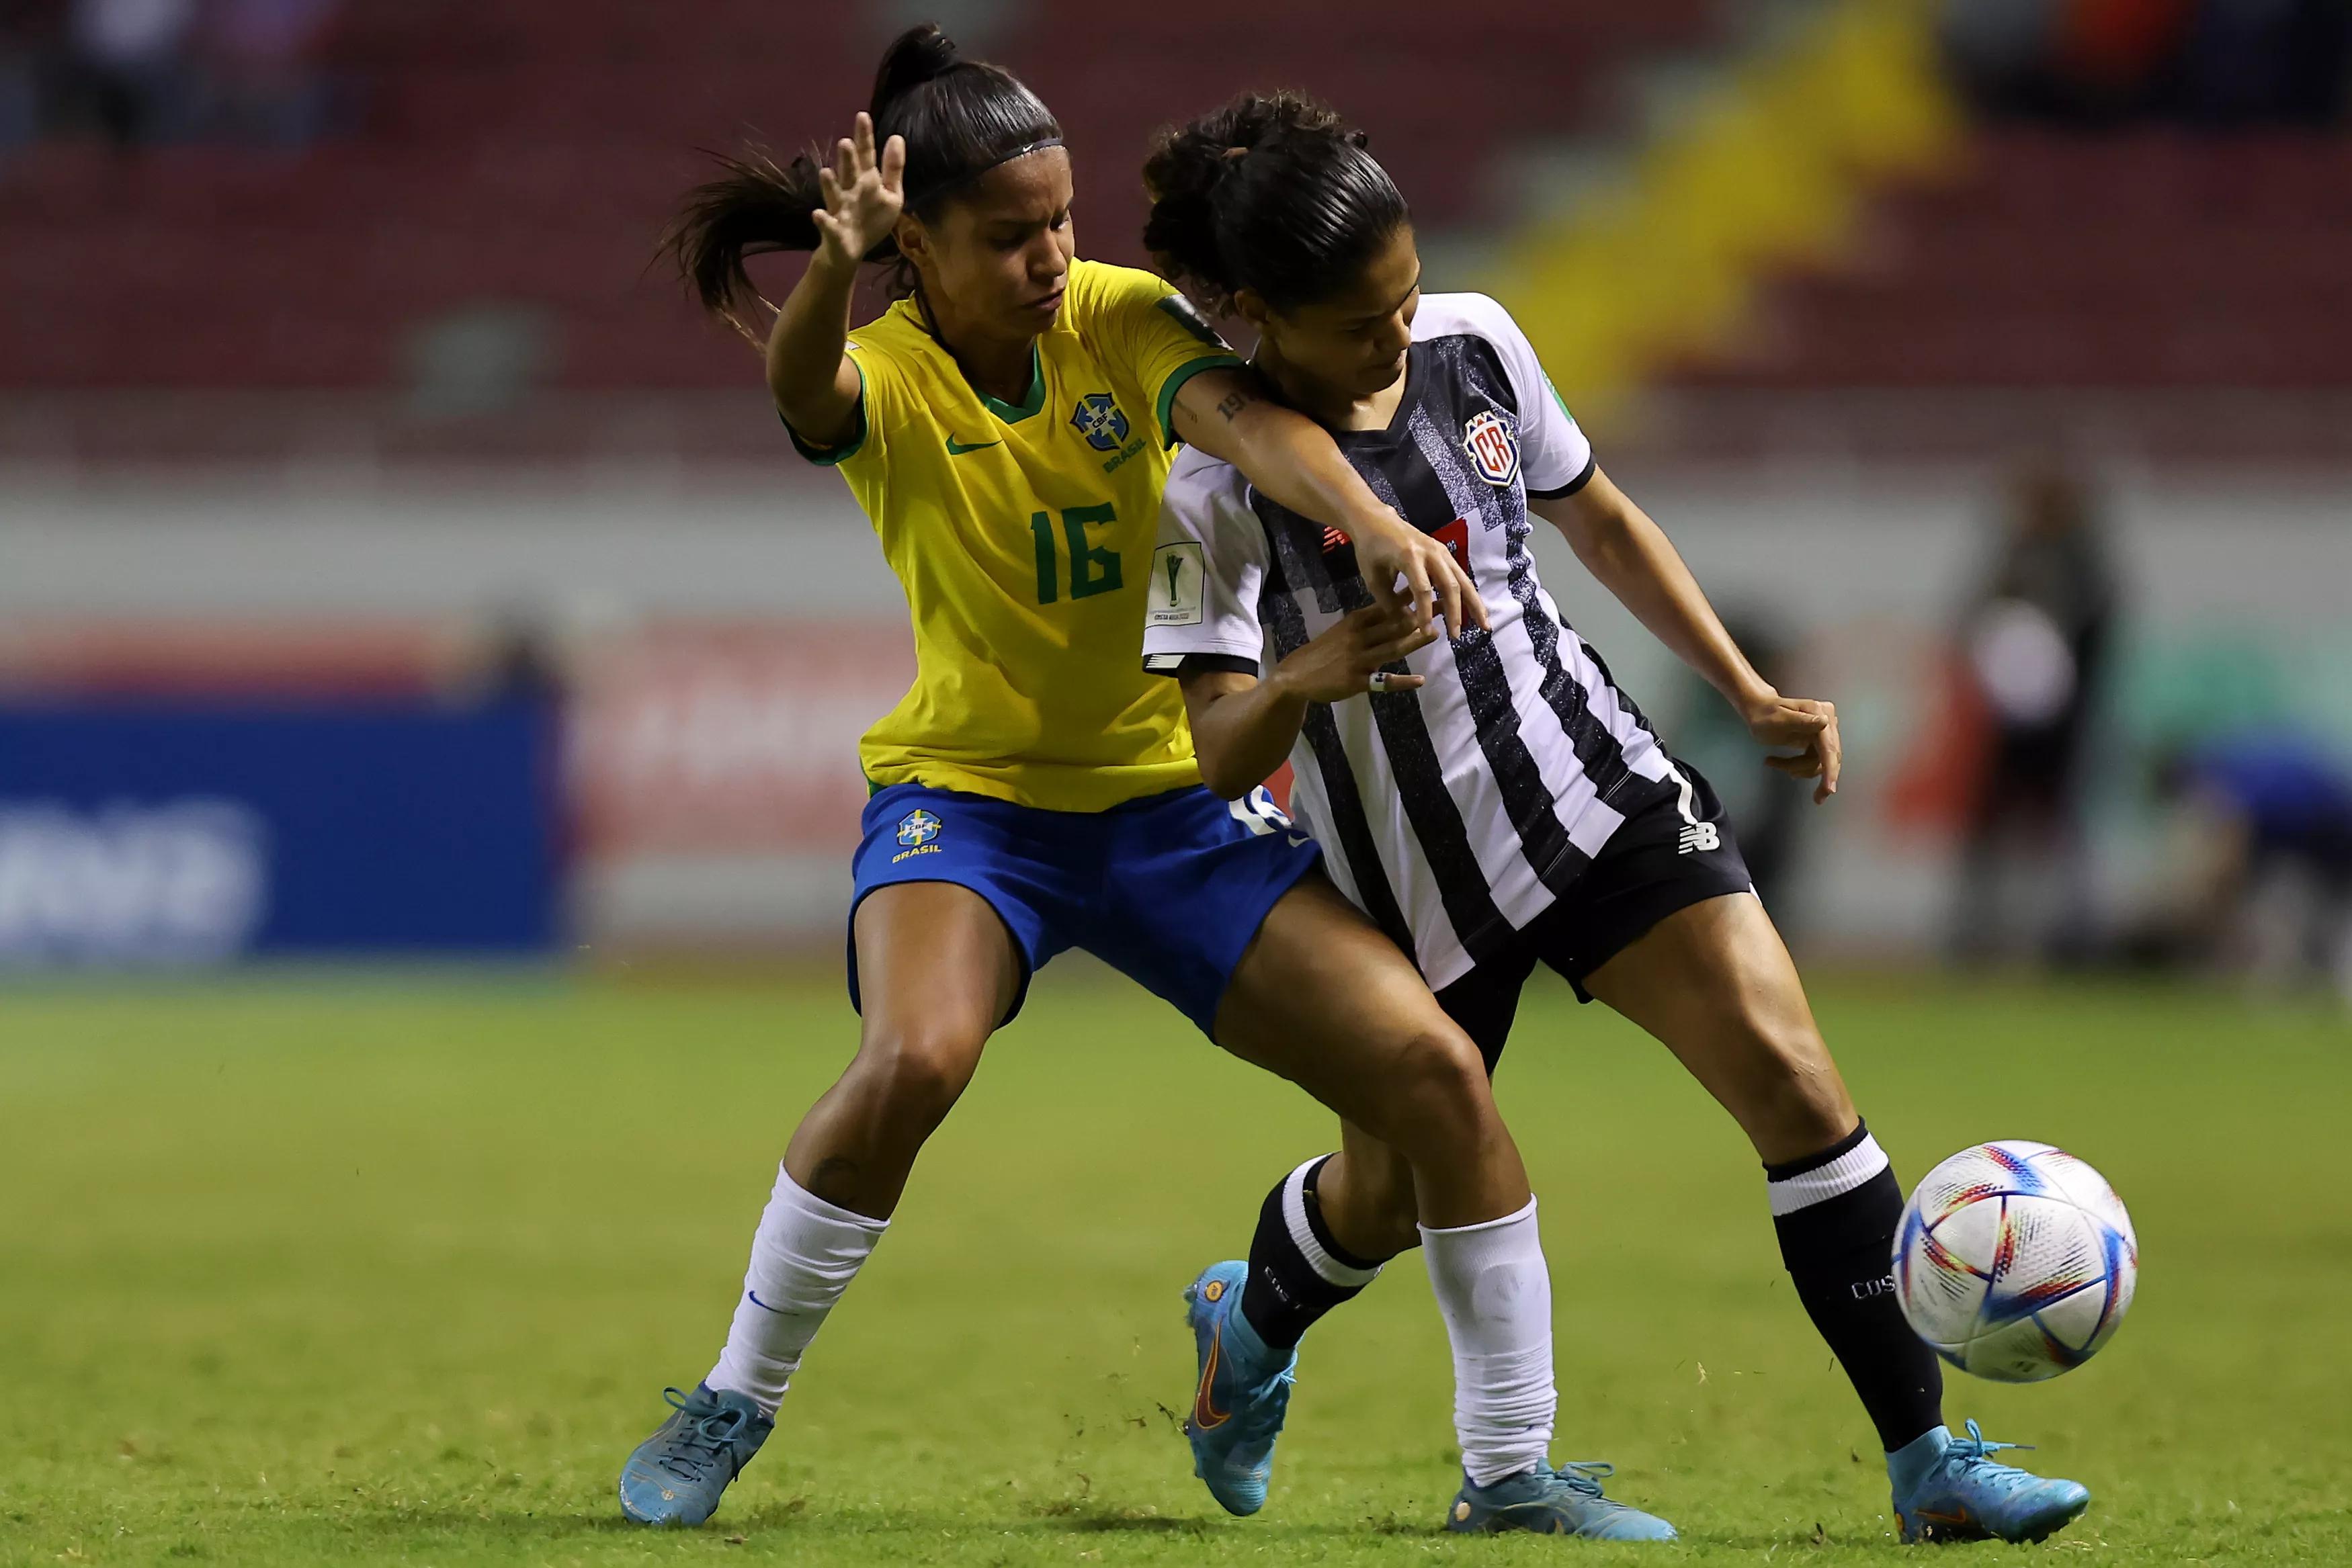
[(1094, 569)]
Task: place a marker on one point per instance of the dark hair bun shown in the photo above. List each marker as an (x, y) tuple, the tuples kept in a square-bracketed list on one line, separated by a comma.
[(960, 118), (1265, 162), (918, 55)]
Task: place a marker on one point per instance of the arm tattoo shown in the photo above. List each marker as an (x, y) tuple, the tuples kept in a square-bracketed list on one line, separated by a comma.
[(1234, 402)]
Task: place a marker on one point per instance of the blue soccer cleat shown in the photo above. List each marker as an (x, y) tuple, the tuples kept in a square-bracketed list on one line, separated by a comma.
[(1243, 1392), (677, 1475), (1549, 1502), (1962, 1495)]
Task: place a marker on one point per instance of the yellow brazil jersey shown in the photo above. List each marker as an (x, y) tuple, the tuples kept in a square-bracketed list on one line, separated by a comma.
[(1023, 537)]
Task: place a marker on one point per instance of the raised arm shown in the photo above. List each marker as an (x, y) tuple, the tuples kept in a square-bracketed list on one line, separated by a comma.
[(1226, 413), (814, 381), (1633, 559)]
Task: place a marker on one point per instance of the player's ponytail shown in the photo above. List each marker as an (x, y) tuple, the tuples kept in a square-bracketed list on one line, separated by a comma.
[(959, 117), (1275, 193), (755, 205)]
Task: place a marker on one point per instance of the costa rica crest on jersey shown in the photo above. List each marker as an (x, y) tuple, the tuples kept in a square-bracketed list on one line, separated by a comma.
[(1493, 442), (1099, 419)]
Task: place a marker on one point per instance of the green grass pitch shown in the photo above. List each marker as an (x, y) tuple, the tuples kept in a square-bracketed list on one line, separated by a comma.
[(324, 1270)]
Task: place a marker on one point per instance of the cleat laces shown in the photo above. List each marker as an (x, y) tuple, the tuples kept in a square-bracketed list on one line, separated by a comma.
[(1972, 1456), (1262, 1407), (1584, 1477), (703, 1438)]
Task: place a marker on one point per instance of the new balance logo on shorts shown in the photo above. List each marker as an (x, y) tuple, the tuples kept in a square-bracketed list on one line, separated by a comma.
[(1698, 832)]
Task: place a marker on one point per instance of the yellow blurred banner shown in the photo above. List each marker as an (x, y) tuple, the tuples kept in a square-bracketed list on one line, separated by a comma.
[(1768, 168)]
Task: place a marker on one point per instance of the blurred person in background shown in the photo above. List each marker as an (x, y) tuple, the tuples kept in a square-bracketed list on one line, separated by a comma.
[(262, 57), (2259, 846), (1766, 807), (28, 33), (142, 72), (2064, 59), (2035, 644), (2267, 60), (518, 657), (130, 70), (2212, 62)]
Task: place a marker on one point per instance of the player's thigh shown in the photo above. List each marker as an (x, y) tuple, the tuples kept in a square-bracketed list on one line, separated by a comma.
[(1322, 999), (1714, 984), (937, 971)]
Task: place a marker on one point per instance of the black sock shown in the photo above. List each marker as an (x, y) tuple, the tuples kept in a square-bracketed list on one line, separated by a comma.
[(1836, 1213), (1296, 1272)]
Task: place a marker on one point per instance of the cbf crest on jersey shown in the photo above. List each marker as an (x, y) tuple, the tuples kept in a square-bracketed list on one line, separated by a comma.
[(1101, 422), (1494, 446), (917, 828)]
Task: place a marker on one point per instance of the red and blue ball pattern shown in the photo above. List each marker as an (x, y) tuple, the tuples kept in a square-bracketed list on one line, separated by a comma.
[(2015, 1260)]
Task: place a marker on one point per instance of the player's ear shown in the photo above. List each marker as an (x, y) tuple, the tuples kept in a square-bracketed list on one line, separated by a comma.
[(913, 241), (1251, 306)]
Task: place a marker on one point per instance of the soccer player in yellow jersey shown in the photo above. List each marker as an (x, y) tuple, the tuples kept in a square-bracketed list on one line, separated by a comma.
[(1006, 426)]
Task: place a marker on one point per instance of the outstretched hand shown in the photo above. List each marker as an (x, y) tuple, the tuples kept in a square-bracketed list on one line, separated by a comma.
[(1780, 723), (864, 194), (1434, 585)]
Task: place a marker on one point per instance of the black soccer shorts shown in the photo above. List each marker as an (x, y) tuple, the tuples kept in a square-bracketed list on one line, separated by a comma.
[(1661, 859)]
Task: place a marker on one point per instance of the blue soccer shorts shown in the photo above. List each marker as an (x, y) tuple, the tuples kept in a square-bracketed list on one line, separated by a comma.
[(1169, 890)]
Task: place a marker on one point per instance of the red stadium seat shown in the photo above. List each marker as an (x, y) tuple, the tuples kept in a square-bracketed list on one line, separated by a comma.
[(2155, 260), (528, 151)]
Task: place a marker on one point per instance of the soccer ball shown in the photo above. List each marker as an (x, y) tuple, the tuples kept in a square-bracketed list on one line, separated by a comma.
[(2015, 1260)]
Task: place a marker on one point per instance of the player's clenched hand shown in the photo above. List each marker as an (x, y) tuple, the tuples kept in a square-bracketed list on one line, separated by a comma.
[(1339, 664), (863, 195), (1781, 723), (1434, 582)]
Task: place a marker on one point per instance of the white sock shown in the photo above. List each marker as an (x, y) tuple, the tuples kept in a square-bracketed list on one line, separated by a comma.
[(1496, 1293), (804, 1255)]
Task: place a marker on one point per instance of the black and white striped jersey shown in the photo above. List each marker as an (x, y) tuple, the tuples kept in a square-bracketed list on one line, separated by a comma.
[(1453, 814)]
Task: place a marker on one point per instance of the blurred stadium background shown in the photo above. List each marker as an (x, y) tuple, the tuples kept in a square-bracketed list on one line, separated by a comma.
[(391, 563), (392, 567)]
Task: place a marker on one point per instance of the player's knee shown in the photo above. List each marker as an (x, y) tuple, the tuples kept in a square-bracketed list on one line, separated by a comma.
[(917, 1074), (1446, 1100)]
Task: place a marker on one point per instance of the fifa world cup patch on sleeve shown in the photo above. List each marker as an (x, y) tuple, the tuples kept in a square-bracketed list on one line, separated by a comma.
[(1177, 591)]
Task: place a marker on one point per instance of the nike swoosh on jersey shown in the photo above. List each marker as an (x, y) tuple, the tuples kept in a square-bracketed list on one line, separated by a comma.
[(1205, 1414), (957, 449)]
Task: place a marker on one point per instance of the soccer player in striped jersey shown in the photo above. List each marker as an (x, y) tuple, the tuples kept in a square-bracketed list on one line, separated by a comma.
[(1491, 798), (1005, 425)]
